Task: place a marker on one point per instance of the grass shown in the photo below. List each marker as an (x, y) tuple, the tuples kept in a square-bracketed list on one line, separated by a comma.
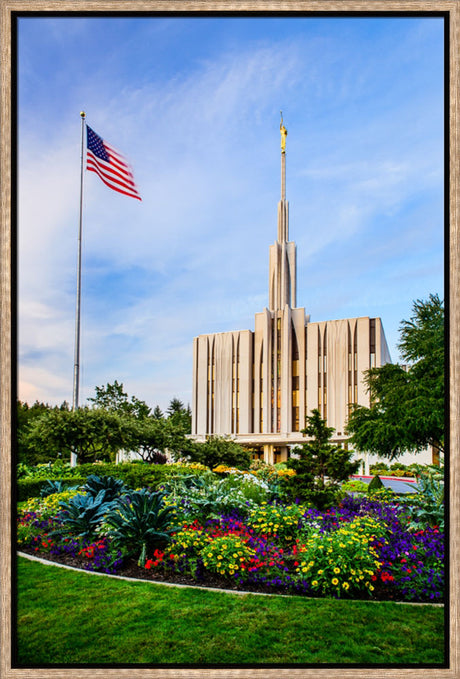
[(68, 617)]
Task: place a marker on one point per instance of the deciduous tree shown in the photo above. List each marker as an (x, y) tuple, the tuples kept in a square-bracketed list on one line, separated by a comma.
[(407, 403)]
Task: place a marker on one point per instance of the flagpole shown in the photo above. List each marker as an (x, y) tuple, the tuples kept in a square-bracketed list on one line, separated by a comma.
[(76, 368)]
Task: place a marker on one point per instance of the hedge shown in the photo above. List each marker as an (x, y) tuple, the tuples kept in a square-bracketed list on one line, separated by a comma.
[(27, 488), (133, 475)]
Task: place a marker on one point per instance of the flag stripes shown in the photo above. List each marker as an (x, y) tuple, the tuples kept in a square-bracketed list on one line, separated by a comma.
[(109, 165)]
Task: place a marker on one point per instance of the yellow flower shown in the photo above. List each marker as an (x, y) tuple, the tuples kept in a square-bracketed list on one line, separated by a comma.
[(335, 581), (315, 583), (336, 570), (345, 585)]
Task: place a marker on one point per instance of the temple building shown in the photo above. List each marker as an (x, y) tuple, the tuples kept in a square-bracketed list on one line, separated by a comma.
[(258, 386)]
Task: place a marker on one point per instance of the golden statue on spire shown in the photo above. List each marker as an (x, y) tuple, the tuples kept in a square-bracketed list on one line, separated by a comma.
[(283, 135)]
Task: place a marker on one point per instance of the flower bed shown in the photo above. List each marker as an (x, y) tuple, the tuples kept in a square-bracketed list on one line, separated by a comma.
[(363, 548)]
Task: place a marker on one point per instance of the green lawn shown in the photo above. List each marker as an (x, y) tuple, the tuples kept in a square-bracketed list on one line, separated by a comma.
[(70, 617)]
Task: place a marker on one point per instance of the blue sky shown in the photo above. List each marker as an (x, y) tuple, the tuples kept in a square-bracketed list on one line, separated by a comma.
[(194, 104)]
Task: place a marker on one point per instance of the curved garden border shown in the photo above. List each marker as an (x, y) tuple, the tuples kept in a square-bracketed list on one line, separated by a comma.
[(31, 557)]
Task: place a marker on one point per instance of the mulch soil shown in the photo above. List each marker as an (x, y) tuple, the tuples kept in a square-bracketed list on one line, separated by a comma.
[(130, 569)]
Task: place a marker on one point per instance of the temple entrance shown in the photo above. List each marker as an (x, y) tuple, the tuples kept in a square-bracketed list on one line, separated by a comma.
[(274, 454)]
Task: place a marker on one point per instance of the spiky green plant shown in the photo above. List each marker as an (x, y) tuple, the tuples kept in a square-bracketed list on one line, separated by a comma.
[(112, 487), (140, 521), (82, 514)]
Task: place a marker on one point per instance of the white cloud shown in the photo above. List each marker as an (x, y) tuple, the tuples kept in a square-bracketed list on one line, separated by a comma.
[(204, 145)]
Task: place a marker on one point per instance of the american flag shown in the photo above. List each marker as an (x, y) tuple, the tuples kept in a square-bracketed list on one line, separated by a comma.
[(109, 164)]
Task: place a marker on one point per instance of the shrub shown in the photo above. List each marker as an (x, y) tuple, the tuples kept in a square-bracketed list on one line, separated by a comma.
[(375, 484), (279, 480), (355, 486), (30, 487), (341, 562), (218, 450), (427, 505)]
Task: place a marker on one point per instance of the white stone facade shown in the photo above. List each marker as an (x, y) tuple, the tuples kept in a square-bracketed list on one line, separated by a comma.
[(259, 386)]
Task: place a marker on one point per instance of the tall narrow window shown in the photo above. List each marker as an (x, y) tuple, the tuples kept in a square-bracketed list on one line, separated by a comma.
[(238, 388), (278, 374), (320, 399), (295, 382), (355, 365), (261, 390), (213, 387), (325, 374), (372, 342), (350, 369)]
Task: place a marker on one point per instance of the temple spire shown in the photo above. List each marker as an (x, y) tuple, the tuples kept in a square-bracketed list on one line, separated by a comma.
[(283, 219), (282, 267)]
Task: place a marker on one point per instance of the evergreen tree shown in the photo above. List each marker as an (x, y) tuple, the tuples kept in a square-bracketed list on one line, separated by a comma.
[(320, 466), (179, 415)]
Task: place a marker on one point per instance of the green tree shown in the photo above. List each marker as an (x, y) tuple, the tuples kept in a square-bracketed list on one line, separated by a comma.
[(91, 433), (151, 438), (157, 413), (320, 466), (407, 403), (218, 450), (114, 399), (26, 415), (180, 415)]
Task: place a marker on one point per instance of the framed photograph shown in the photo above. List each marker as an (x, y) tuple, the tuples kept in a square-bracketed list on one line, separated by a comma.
[(229, 353)]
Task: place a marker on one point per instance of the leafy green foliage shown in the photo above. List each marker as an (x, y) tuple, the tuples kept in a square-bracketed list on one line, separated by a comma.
[(140, 522), (52, 486), (320, 466), (115, 400), (31, 487), (180, 416), (217, 450), (111, 487), (152, 437), (343, 560), (82, 514), (28, 453), (207, 496), (375, 484), (407, 405), (91, 434), (355, 486), (427, 507)]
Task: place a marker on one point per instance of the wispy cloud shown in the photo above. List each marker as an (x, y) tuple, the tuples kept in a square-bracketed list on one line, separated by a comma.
[(197, 114)]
